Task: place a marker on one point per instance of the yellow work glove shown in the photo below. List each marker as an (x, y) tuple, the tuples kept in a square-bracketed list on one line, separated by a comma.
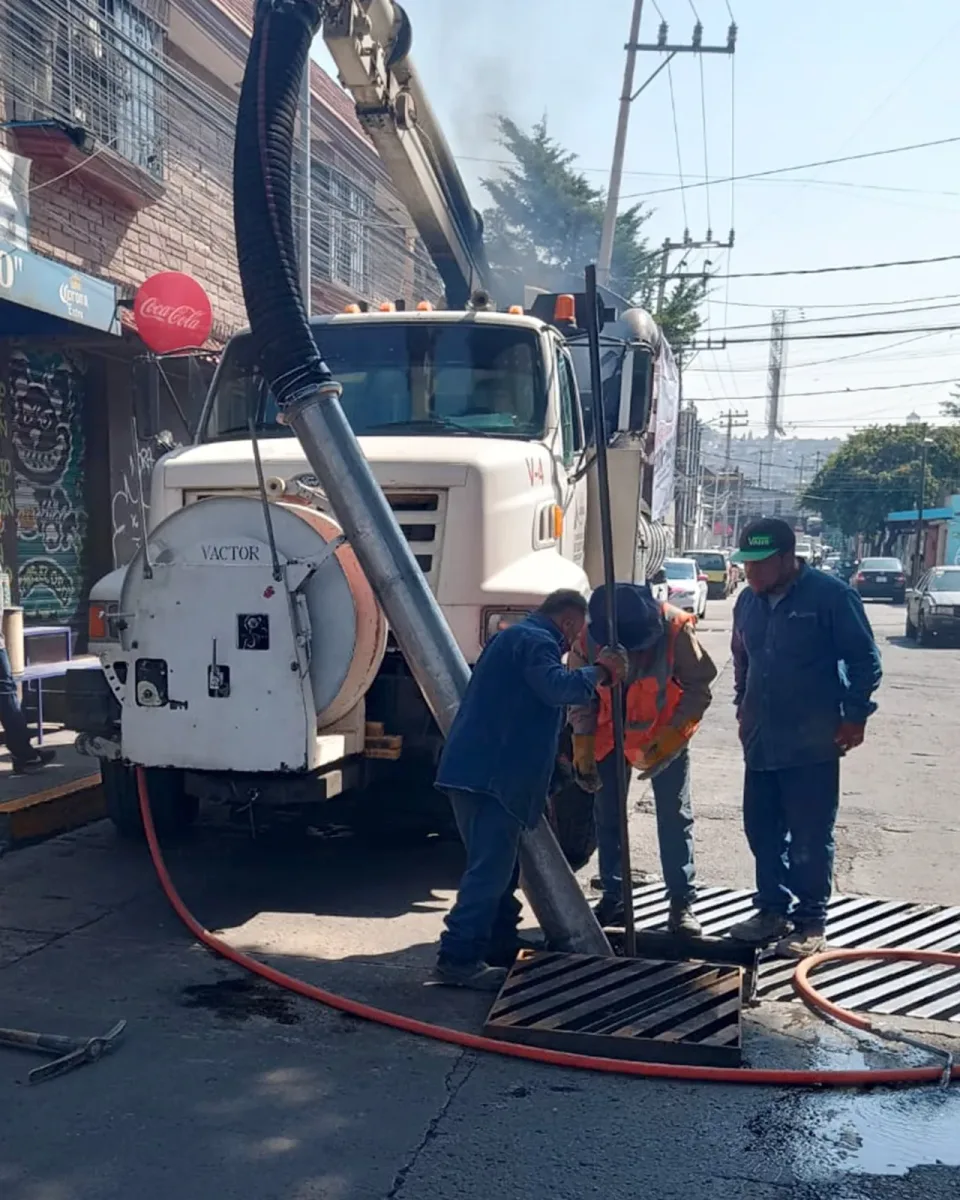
[(666, 745), (585, 762)]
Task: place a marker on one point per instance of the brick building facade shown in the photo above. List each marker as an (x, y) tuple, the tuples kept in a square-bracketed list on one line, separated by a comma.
[(116, 144)]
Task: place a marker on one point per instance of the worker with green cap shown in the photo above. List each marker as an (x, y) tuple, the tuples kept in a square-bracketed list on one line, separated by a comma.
[(805, 668)]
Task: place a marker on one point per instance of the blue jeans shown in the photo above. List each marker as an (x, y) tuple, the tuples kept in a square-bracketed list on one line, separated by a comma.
[(11, 718), (671, 795), (486, 913), (789, 817)]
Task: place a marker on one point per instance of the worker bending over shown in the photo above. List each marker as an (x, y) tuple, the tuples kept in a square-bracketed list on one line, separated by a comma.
[(496, 768), (666, 693)]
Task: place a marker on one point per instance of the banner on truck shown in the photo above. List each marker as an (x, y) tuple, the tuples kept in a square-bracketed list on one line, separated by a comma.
[(667, 390)]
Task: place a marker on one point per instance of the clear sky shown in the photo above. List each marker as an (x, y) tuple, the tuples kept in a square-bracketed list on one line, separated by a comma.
[(811, 81)]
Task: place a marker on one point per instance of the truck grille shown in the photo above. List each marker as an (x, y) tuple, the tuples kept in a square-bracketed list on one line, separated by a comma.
[(420, 515)]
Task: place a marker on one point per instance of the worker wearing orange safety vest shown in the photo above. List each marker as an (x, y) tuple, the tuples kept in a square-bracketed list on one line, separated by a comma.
[(666, 693)]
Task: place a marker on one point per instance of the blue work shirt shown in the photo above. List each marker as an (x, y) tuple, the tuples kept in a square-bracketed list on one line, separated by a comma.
[(505, 735), (801, 666)]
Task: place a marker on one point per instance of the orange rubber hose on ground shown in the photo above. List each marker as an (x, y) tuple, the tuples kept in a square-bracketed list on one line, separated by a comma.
[(559, 1058)]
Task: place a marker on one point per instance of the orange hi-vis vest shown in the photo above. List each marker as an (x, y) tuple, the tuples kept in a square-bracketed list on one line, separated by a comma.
[(651, 700)]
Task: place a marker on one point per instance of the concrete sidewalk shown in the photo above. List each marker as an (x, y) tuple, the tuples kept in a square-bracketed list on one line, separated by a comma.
[(64, 795)]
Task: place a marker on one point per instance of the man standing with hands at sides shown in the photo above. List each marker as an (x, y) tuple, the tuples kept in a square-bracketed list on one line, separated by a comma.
[(805, 668), (496, 768)]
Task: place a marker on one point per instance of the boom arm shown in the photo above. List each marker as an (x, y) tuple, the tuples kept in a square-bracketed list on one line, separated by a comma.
[(369, 41)]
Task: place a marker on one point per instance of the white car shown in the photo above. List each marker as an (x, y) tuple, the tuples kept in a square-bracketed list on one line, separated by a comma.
[(687, 585)]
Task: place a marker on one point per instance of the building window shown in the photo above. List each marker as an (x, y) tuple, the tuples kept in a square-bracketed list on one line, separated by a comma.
[(94, 65), (340, 229)]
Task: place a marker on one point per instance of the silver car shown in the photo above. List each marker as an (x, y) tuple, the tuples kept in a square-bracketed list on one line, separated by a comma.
[(933, 606)]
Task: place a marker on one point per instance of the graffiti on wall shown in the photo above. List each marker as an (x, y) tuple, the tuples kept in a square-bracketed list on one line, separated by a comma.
[(45, 394), (126, 507)]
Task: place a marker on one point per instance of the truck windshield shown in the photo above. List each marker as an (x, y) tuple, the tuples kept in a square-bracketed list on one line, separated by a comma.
[(402, 378)]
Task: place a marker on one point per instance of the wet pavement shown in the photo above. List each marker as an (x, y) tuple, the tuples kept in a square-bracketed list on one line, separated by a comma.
[(227, 1088)]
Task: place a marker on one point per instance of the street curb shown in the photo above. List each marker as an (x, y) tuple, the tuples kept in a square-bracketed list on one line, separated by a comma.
[(55, 810)]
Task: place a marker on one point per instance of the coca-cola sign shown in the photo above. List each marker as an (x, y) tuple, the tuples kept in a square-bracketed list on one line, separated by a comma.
[(172, 312)]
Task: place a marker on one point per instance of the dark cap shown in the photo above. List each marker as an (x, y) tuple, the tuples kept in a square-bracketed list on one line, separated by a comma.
[(638, 616), (764, 538)]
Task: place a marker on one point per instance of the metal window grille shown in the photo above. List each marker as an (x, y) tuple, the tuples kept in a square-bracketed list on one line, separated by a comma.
[(92, 64)]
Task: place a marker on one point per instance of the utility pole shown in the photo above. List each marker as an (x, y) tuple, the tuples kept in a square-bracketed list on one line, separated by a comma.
[(605, 257), (687, 244), (627, 97), (918, 554), (734, 420)]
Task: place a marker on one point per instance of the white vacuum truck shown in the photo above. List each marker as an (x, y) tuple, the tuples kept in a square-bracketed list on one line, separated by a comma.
[(246, 660)]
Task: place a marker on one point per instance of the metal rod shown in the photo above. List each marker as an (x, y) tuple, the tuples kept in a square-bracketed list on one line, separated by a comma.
[(608, 231), (264, 499), (422, 633), (606, 532)]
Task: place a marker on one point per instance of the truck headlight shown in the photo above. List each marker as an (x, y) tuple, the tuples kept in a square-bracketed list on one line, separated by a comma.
[(495, 619)]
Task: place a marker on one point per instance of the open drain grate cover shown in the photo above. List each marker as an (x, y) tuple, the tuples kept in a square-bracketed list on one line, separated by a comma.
[(622, 1008), (929, 993)]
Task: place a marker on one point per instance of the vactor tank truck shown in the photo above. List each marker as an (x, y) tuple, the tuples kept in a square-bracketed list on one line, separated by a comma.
[(257, 670)]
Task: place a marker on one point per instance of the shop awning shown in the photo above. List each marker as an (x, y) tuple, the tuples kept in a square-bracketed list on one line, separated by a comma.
[(43, 285)]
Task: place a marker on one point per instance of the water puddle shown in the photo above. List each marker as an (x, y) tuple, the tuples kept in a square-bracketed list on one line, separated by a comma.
[(835, 1135)]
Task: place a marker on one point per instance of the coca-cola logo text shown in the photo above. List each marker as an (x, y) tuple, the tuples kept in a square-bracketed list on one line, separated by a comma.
[(180, 315)]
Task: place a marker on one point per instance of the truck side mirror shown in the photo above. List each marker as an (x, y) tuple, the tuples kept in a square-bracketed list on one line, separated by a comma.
[(636, 390)]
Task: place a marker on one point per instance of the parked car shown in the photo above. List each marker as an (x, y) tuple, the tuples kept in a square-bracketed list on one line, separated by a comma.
[(716, 567), (880, 579), (933, 606), (687, 585)]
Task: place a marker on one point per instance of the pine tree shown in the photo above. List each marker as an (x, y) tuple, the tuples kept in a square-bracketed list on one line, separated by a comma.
[(544, 227)]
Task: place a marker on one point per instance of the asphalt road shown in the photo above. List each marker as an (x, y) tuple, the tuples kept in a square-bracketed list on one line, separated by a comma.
[(225, 1088)]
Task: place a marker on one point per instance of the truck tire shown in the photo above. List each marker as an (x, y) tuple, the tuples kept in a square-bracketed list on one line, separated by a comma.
[(173, 810), (570, 813)]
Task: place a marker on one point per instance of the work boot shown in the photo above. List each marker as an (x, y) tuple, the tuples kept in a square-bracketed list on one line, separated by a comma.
[(505, 954), (762, 929), (682, 920), (609, 911), (803, 942), (40, 758), (475, 977)]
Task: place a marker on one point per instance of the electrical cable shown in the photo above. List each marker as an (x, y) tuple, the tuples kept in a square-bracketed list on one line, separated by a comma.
[(676, 138), (838, 392), (703, 128), (876, 266), (823, 162)]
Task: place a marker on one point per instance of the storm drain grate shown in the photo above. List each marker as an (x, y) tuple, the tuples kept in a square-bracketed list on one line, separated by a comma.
[(906, 990), (622, 1008)]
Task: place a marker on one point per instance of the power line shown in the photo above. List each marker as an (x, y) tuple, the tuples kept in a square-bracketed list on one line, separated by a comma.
[(842, 335), (848, 304), (843, 391), (845, 316), (877, 266), (823, 162)]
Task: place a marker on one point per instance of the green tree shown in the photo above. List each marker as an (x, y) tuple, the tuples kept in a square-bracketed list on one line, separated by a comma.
[(544, 227), (877, 471)]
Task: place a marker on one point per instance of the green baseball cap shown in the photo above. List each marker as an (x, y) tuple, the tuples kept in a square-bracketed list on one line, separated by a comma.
[(764, 538)]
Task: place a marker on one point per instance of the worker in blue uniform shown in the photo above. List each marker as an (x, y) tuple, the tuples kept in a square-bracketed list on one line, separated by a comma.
[(805, 669), (496, 768)]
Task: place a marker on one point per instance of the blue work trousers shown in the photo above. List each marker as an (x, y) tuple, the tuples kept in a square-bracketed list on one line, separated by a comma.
[(11, 717), (486, 913), (789, 816), (671, 796)]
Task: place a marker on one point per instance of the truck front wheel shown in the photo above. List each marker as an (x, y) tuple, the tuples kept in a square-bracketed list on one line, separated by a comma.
[(173, 810)]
